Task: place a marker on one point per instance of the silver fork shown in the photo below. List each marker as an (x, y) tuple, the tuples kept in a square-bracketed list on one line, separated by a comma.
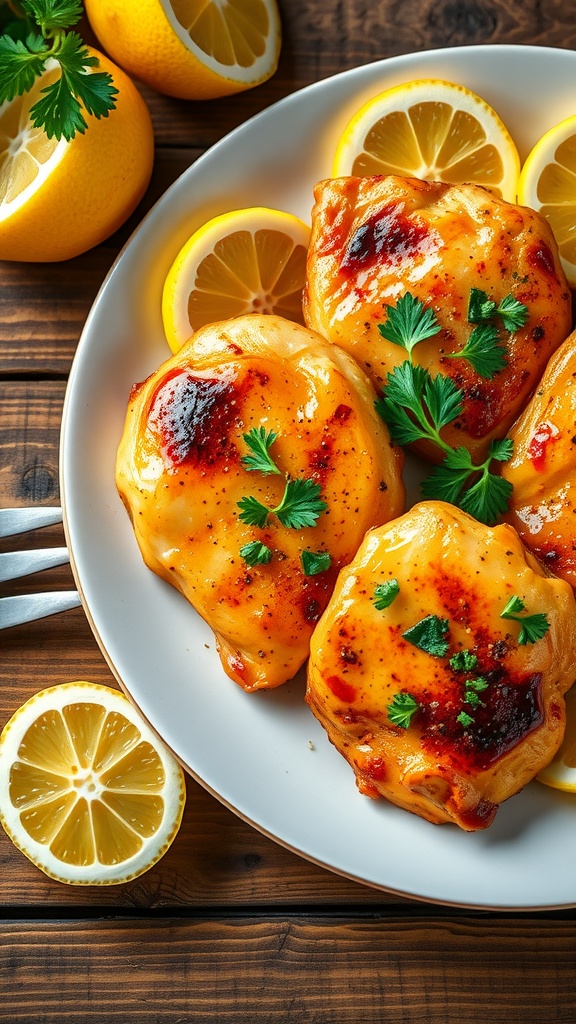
[(14, 564)]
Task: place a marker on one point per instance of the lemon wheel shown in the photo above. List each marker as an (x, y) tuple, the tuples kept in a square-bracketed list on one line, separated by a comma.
[(561, 772), (193, 49), (87, 791), (59, 198), (434, 130), (245, 261), (548, 184)]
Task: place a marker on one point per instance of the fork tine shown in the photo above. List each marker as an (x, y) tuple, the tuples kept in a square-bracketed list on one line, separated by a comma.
[(28, 607), (14, 564), (19, 520)]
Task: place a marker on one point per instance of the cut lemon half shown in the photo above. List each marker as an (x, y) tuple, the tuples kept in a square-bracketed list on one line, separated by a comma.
[(561, 772), (59, 198), (548, 184), (246, 261), (433, 130), (193, 49), (87, 791)]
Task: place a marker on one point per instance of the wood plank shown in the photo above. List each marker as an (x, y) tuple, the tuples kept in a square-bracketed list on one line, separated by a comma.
[(326, 970), (43, 306)]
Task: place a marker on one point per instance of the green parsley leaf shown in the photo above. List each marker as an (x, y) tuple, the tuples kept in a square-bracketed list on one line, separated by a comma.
[(429, 635), (511, 311), (484, 351), (314, 562), (443, 399), (465, 719), (62, 104), (253, 512), (301, 504), (514, 314), (487, 498), (463, 661), (256, 553), (385, 594), (480, 307), (409, 322), (59, 111), (501, 449), (532, 627), (53, 14), (402, 709), (259, 440)]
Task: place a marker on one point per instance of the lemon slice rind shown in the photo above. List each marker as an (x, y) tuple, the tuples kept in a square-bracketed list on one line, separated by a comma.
[(182, 279)]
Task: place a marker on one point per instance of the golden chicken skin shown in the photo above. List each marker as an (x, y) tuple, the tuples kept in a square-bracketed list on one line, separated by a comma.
[(439, 666), (377, 239), (542, 469), (251, 464)]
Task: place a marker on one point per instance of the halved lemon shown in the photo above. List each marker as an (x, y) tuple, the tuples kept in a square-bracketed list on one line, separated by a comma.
[(561, 772), (193, 49), (59, 198), (434, 130), (87, 791), (548, 184), (246, 261)]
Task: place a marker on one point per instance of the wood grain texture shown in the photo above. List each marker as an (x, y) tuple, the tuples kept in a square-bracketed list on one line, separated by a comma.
[(321, 970)]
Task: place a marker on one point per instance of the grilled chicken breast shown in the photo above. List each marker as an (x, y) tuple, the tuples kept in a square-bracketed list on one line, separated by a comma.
[(181, 472), (376, 238), (428, 692), (542, 469)]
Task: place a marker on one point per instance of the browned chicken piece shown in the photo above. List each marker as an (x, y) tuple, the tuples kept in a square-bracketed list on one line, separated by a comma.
[(181, 473), (542, 469), (375, 239), (429, 693)]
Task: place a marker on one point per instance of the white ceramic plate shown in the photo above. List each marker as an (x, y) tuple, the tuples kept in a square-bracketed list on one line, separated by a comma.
[(263, 754)]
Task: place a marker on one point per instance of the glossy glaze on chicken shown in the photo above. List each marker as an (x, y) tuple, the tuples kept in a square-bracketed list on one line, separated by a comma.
[(181, 474), (374, 239), (487, 710), (542, 470)]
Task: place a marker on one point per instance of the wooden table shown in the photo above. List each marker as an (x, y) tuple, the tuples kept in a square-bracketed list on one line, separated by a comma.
[(230, 926)]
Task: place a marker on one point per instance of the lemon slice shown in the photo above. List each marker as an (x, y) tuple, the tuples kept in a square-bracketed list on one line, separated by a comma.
[(433, 130), (561, 772), (87, 791), (59, 198), (548, 184), (194, 49), (246, 261)]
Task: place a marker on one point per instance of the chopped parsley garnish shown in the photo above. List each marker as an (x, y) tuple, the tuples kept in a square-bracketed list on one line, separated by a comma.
[(27, 46), (532, 627), (256, 553), (301, 504), (385, 594), (259, 440), (416, 405), (463, 661), (402, 709), (429, 635), (409, 322), (465, 719), (314, 562), (513, 313), (472, 688), (485, 349)]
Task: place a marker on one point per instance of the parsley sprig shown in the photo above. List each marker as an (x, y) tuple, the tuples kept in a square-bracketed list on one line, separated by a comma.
[(532, 627), (402, 709), (416, 406), (27, 46), (300, 506)]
